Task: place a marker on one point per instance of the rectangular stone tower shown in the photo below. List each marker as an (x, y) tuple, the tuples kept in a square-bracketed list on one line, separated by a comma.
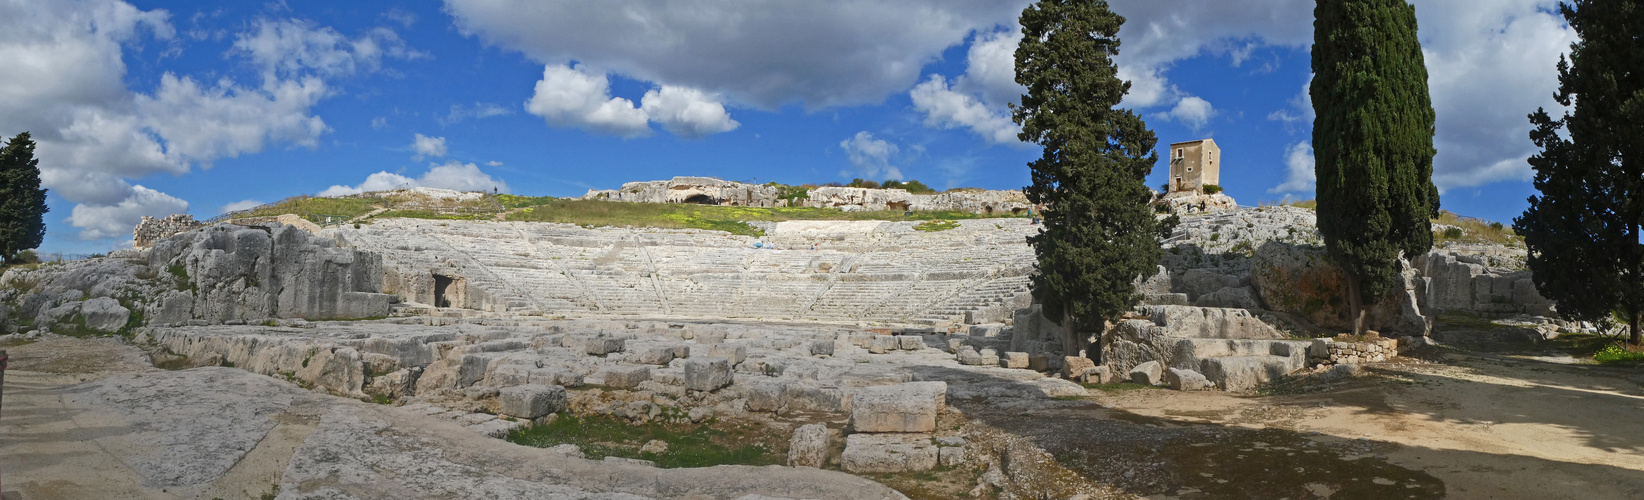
[(1195, 164)]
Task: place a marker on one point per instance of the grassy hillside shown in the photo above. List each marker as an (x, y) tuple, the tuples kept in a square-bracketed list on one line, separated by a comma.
[(687, 216)]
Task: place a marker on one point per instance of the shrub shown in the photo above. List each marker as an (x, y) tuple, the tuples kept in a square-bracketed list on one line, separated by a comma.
[(1616, 353), (911, 186), (1452, 233), (1212, 189), (860, 183)]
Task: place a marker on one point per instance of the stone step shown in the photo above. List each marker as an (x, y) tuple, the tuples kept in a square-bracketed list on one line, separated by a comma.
[(1244, 373), (1190, 353)]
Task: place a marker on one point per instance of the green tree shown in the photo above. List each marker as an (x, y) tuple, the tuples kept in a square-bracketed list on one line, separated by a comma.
[(22, 201), (1373, 143), (1099, 235), (1583, 229)]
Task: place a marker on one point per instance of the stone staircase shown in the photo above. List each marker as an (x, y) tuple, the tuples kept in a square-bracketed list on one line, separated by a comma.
[(1231, 348), (879, 272), (989, 303)]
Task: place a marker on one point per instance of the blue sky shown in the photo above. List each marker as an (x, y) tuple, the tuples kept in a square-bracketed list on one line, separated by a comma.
[(154, 107)]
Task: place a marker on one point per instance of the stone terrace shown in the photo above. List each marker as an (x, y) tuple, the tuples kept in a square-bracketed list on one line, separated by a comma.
[(861, 271)]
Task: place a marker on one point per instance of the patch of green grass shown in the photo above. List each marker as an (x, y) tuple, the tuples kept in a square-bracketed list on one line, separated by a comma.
[(1473, 230), (689, 445), (180, 275), (1455, 320), (517, 201), (314, 208), (595, 213), (936, 225), (429, 214)]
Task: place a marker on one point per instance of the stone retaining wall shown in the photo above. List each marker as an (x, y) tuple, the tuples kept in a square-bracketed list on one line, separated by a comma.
[(1330, 351), (150, 229)]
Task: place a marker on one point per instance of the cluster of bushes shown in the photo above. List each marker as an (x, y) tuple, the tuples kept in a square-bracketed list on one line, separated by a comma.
[(911, 185)]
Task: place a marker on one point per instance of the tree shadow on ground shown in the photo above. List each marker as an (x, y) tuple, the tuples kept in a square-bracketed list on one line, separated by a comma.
[(1145, 455), (1598, 405)]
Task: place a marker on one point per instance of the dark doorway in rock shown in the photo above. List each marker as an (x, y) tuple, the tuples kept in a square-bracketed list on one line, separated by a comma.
[(442, 285), (1017, 211), (896, 206), (701, 199)]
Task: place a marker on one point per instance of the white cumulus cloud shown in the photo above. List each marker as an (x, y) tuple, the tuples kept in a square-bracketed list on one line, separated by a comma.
[(758, 54), (872, 157), (1192, 111), (427, 147), (1489, 64), (946, 108), (687, 112), (202, 123), (65, 82), (451, 175), (577, 97), (979, 100), (572, 97), (1157, 34), (285, 47), (1298, 162), (99, 222)]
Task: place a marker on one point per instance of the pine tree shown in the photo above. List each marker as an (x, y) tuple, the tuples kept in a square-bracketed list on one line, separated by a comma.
[(1373, 143), (1583, 230), (22, 201), (1099, 235)]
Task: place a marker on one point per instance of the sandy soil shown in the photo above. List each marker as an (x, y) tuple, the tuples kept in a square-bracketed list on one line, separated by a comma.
[(1461, 426)]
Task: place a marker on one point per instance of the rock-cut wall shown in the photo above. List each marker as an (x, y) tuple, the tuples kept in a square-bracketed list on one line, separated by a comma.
[(273, 271), (223, 274)]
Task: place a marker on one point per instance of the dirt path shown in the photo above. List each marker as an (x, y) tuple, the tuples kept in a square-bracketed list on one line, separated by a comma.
[(1464, 427)]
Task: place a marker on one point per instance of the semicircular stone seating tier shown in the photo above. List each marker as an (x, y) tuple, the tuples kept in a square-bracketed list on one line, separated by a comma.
[(858, 271)]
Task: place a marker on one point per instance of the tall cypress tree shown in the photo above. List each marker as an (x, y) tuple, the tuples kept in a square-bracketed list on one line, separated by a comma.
[(22, 201), (1099, 235), (1583, 230), (1373, 142)]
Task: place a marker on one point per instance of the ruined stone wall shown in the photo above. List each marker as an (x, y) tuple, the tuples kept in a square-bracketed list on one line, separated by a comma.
[(1466, 283), (1191, 202), (703, 190), (150, 229)]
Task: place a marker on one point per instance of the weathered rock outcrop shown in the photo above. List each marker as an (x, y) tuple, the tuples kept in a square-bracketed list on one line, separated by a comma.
[(1299, 280), (1193, 202), (225, 273), (1466, 283), (274, 271), (702, 190)]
